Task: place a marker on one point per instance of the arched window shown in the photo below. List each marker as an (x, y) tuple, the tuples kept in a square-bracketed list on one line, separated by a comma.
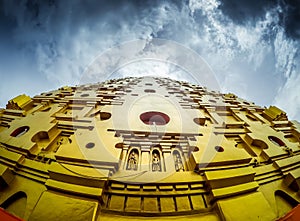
[(133, 159), (20, 131)]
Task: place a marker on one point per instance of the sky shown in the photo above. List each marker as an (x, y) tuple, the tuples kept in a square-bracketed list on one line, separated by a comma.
[(250, 49)]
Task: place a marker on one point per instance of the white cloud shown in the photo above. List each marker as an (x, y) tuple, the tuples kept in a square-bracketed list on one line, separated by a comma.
[(56, 43), (288, 97)]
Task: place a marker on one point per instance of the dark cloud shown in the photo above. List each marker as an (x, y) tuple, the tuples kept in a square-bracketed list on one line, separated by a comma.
[(243, 11), (292, 18)]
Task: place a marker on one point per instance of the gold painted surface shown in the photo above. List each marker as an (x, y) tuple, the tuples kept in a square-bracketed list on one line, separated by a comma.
[(146, 148)]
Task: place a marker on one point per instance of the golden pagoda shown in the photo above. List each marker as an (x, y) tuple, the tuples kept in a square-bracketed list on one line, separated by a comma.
[(146, 148)]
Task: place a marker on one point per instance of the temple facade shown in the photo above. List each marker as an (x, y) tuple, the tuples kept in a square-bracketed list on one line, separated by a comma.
[(146, 148)]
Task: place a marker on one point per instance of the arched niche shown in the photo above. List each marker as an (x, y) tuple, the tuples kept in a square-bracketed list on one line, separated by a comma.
[(260, 143), (284, 202), (105, 115), (100, 115), (178, 160), (40, 136), (156, 160), (16, 204), (132, 161)]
